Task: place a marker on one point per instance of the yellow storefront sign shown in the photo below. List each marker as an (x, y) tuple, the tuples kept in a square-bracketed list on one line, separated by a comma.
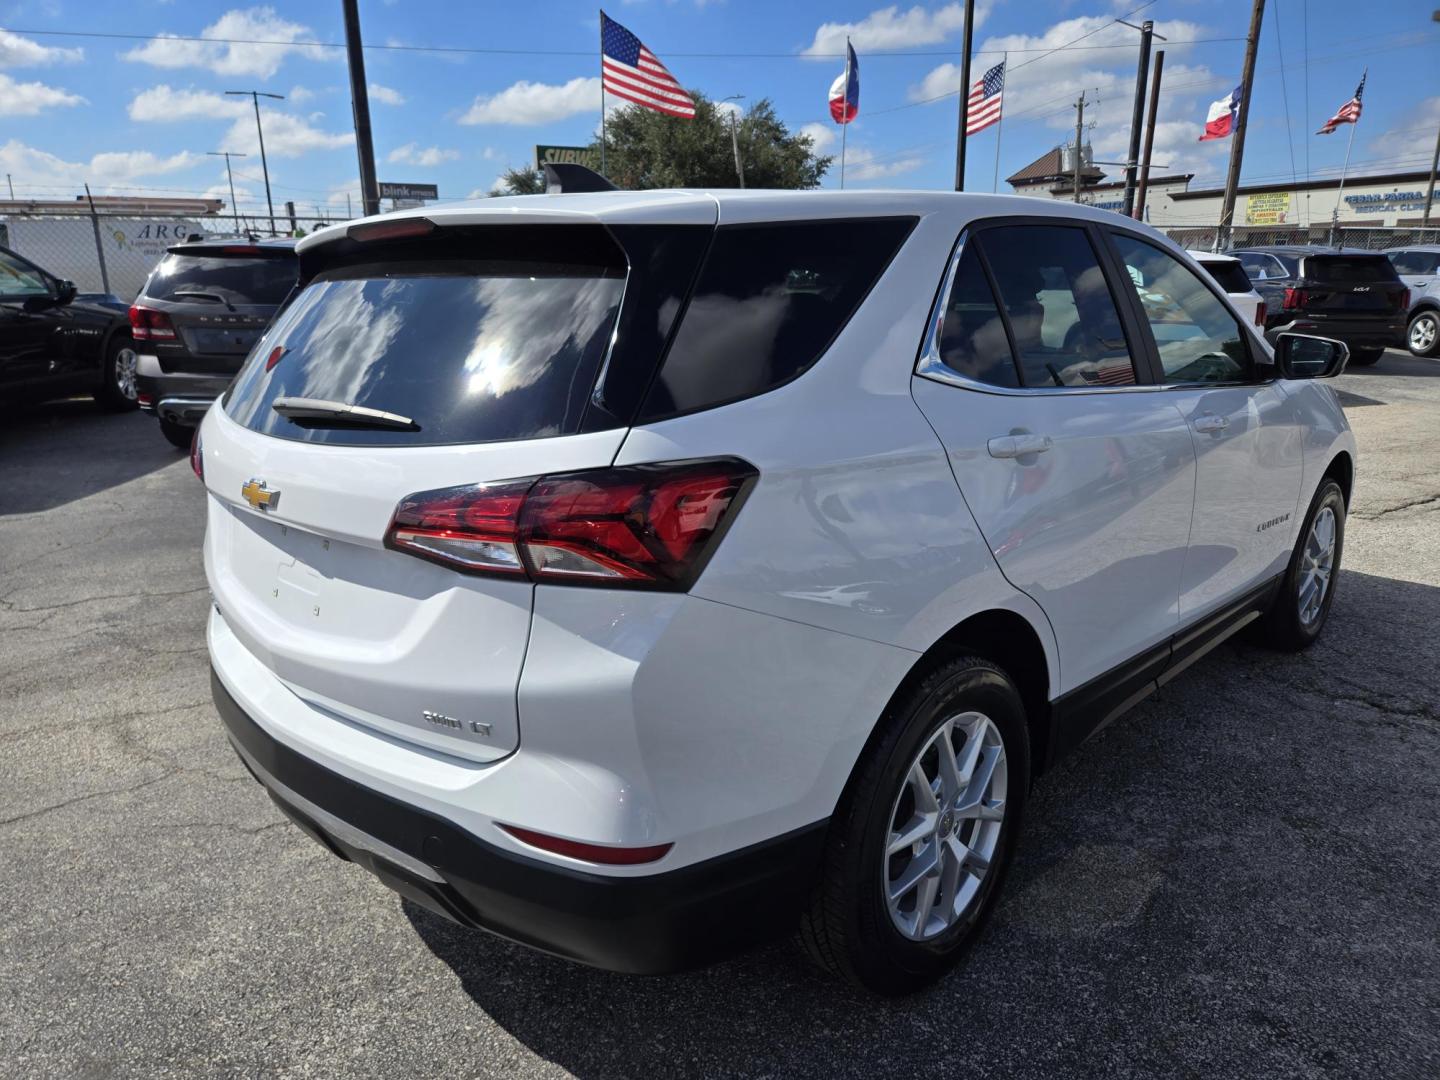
[(1269, 208)]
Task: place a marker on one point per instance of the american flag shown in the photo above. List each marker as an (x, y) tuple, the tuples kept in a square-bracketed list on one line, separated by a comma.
[(985, 98), (633, 72), (1349, 112)]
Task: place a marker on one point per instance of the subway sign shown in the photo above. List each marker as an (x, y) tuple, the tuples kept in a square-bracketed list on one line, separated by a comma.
[(567, 155)]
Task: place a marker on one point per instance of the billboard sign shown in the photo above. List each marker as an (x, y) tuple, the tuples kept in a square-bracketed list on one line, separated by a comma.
[(567, 155), (409, 191), (1267, 208)]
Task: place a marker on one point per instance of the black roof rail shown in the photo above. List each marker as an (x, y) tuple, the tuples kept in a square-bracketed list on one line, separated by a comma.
[(563, 179)]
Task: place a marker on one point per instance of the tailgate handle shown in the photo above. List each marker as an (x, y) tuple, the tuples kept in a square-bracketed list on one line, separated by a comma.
[(1014, 446), (1211, 423)]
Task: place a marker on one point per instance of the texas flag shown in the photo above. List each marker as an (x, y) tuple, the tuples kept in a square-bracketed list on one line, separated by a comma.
[(1221, 120), (845, 90)]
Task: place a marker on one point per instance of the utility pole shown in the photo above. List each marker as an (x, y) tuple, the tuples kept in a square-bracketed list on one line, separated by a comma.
[(1237, 144), (1079, 134), (964, 120), (227, 155), (1429, 194), (12, 185), (360, 104), (1142, 73), (735, 137), (255, 96), (1143, 187)]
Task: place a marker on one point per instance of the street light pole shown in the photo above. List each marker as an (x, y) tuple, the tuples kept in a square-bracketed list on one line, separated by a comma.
[(227, 155), (735, 138), (360, 108), (255, 96)]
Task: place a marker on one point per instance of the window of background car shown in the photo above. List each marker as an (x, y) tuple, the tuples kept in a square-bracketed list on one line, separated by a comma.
[(472, 350), (1229, 275), (20, 281), (767, 304), (1062, 316), (239, 279), (1197, 336), (972, 340), (1349, 269), (1261, 267)]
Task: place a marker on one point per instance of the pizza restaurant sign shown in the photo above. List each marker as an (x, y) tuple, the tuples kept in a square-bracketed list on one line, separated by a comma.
[(1404, 202)]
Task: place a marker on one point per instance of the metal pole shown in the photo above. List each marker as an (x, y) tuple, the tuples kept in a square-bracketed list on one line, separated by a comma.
[(1079, 134), (12, 184), (1429, 194), (227, 155), (602, 95), (99, 245), (1142, 189), (964, 118), (360, 105), (999, 127), (255, 96), (1142, 74), (1340, 191), (845, 127), (735, 143), (1237, 145)]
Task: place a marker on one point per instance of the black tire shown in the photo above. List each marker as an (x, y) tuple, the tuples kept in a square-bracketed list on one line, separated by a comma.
[(1365, 357), (848, 929), (179, 436), (116, 392), (1282, 627), (1423, 320)]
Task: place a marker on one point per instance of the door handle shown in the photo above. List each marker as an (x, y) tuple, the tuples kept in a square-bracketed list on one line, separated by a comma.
[(1210, 423), (1014, 446)]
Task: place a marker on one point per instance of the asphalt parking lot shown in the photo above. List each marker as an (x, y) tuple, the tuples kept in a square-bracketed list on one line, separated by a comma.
[(1240, 878)]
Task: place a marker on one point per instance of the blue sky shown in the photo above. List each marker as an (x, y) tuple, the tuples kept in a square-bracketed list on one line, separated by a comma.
[(138, 115)]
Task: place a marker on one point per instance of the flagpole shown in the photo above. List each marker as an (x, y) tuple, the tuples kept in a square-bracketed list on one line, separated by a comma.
[(844, 108), (602, 94), (1345, 169), (1000, 123)]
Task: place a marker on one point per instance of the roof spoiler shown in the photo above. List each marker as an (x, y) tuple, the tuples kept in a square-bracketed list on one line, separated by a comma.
[(564, 179)]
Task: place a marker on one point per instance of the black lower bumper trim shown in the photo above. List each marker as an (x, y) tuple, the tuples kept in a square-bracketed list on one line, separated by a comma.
[(645, 925)]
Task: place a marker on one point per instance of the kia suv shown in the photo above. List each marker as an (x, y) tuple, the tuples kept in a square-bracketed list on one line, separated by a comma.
[(1353, 296), (638, 575), (203, 307)]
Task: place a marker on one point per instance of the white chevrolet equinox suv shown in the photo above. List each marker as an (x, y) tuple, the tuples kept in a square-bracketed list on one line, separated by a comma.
[(636, 575)]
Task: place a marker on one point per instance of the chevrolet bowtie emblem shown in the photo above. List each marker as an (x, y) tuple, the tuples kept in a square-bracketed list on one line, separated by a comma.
[(259, 496)]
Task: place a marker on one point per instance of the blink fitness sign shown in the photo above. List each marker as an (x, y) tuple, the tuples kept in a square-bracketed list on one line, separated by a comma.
[(1403, 202)]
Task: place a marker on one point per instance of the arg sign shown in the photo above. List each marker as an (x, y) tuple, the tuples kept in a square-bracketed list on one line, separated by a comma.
[(567, 155), (409, 191)]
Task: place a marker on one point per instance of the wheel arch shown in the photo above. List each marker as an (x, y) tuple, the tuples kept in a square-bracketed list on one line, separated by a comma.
[(1342, 470)]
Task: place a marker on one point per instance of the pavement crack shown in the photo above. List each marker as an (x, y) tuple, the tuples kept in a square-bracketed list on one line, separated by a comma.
[(1408, 504), (9, 605), (29, 814)]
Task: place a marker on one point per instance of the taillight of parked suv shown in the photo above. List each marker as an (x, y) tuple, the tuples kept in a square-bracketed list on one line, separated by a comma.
[(638, 526), (147, 324)]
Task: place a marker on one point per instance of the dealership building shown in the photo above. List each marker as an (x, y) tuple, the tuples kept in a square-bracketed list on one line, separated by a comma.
[(1389, 200)]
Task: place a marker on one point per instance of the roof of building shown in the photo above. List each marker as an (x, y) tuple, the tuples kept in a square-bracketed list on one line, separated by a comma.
[(110, 204), (1154, 181), (1313, 185), (1049, 166)]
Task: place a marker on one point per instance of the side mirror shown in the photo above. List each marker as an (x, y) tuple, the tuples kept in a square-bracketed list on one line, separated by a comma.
[(64, 292), (1300, 356)]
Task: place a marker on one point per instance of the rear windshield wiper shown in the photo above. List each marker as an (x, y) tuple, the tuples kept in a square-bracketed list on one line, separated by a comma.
[(320, 411)]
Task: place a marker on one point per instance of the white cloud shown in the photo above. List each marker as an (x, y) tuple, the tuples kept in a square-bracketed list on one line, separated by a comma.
[(535, 103), (863, 164), (165, 104), (1412, 135), (17, 51), (430, 156), (252, 24), (348, 191), (385, 95), (31, 98), (104, 171), (891, 28), (490, 154), (822, 136), (299, 95), (285, 136)]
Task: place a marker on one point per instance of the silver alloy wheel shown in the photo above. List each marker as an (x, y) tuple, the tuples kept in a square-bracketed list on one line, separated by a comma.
[(1423, 332), (1317, 562), (945, 826), (125, 360)]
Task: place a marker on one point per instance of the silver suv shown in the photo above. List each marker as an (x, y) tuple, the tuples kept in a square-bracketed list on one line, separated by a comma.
[(1419, 268)]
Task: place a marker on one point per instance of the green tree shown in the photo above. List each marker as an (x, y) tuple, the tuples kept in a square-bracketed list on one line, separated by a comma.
[(521, 182), (646, 149)]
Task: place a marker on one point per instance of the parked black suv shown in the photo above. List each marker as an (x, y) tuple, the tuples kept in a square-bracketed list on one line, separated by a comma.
[(204, 306), (55, 342), (1353, 296)]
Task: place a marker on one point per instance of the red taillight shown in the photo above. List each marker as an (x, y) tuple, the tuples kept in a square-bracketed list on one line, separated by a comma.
[(1404, 300), (594, 853), (197, 456), (641, 526), (1295, 299), (1260, 313), (147, 324), (274, 357)]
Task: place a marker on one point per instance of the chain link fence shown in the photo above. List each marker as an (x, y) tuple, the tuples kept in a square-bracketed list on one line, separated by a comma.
[(1357, 238)]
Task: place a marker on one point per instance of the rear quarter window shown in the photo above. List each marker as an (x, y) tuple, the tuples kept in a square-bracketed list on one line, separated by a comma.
[(240, 279), (1230, 276), (768, 302)]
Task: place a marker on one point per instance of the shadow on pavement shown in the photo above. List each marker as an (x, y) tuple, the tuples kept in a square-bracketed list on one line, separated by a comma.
[(1400, 362), (1175, 877), (55, 453)]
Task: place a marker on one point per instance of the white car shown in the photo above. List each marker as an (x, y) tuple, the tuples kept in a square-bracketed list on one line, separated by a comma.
[(1230, 275), (639, 574)]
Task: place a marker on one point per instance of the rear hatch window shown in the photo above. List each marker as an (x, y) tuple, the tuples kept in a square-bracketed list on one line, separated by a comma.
[(501, 338), (239, 278), (1229, 275), (1352, 284), (1350, 269)]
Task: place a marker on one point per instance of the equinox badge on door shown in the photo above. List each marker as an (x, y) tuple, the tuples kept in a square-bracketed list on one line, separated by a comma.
[(259, 496)]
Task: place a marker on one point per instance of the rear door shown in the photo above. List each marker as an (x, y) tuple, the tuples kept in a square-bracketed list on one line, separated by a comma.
[(1350, 287), (1417, 268), (31, 345), (490, 341), (1079, 476)]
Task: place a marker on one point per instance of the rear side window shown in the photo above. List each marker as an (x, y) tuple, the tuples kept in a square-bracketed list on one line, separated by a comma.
[(1349, 269), (1063, 320), (470, 349), (1415, 262), (768, 302), (971, 337), (1230, 276), (238, 279)]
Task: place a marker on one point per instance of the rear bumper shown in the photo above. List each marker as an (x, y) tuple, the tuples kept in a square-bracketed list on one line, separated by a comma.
[(178, 396), (650, 924), (1357, 333)]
